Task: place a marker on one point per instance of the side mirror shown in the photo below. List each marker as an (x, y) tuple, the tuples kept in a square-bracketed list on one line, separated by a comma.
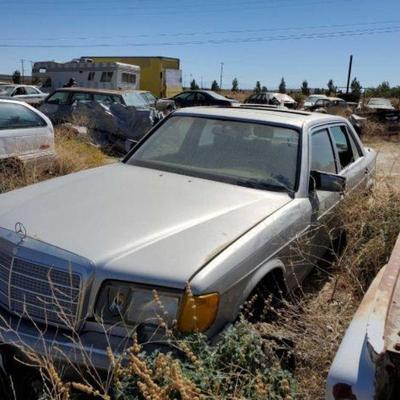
[(327, 182)]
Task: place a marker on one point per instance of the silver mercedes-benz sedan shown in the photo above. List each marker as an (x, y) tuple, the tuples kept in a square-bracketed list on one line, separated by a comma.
[(211, 199)]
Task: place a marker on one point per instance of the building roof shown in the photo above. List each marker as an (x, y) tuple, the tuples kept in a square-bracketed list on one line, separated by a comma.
[(161, 57), (93, 90), (274, 116)]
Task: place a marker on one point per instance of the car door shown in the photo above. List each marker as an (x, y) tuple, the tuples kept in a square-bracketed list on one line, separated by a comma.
[(184, 99), (23, 131), (322, 158), (33, 96), (203, 99), (351, 160)]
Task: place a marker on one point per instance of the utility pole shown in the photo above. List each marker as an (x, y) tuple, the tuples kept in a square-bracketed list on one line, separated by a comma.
[(22, 71), (349, 74), (221, 75)]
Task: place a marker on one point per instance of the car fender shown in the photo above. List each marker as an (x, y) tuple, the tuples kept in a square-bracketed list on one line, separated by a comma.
[(264, 269)]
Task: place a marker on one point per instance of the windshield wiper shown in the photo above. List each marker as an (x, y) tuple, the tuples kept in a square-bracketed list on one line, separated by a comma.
[(255, 184)]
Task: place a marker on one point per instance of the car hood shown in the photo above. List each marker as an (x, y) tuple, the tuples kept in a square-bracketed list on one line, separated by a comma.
[(138, 224)]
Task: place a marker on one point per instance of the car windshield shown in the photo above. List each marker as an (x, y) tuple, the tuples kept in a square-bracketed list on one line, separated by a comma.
[(243, 153), (6, 90), (314, 99), (134, 99), (148, 98)]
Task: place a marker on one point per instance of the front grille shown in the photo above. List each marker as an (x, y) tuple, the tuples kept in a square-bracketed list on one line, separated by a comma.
[(39, 292)]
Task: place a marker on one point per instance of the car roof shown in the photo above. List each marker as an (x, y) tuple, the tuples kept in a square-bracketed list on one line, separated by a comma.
[(23, 103), (92, 90), (336, 98), (296, 119), (18, 85)]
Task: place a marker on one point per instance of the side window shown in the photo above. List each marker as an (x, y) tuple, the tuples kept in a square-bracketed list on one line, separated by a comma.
[(106, 76), (201, 98), (20, 91), (31, 90), (14, 116), (58, 98), (91, 76), (343, 145), (182, 96), (354, 145), (322, 154)]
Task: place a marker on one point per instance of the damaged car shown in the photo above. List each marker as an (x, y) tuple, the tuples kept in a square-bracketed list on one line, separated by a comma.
[(367, 364), (205, 212), (119, 117), (276, 99), (28, 93), (196, 98)]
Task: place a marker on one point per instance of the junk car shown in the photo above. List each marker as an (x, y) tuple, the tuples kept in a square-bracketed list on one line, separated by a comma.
[(204, 211), (26, 134), (124, 116), (367, 364), (27, 93)]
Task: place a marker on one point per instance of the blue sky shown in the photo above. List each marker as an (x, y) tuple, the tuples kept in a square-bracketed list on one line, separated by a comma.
[(256, 39)]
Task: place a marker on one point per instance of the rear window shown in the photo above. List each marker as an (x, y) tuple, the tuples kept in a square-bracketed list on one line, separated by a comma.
[(15, 116)]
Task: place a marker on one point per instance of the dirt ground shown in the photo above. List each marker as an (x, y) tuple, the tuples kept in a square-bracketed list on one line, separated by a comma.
[(388, 163)]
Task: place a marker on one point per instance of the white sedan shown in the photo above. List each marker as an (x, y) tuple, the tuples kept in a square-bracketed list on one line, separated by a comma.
[(27, 93), (25, 133)]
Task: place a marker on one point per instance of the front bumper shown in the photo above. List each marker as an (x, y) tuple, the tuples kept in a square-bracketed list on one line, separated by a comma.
[(86, 349)]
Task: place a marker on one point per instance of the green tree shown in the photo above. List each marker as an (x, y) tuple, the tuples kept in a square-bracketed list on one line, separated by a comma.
[(356, 88), (235, 85), (304, 88), (383, 89), (257, 89), (215, 86), (194, 85), (331, 87), (282, 86), (264, 89), (16, 77)]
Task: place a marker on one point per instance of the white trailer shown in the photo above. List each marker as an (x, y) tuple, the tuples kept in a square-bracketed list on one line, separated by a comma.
[(86, 73)]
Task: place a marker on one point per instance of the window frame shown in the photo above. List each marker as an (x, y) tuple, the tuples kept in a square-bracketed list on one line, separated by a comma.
[(350, 137), (299, 130), (333, 147)]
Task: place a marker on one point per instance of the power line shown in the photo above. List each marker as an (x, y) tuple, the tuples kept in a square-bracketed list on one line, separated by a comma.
[(197, 10), (208, 33), (320, 35)]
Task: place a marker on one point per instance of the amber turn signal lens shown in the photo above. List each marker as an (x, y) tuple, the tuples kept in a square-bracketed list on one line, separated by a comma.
[(198, 313)]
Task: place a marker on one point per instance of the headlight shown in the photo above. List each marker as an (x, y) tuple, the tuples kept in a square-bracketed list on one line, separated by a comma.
[(135, 305)]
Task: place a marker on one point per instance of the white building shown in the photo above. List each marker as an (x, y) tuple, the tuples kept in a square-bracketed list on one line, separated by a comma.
[(86, 73)]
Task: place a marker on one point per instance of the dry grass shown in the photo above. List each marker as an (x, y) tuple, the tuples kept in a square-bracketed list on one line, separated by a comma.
[(244, 365), (73, 154), (316, 321)]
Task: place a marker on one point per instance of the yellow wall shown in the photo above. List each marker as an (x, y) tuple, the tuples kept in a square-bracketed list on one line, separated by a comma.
[(150, 70)]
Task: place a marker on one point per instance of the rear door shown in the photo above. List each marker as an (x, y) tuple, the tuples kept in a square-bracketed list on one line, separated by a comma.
[(350, 158), (23, 131)]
